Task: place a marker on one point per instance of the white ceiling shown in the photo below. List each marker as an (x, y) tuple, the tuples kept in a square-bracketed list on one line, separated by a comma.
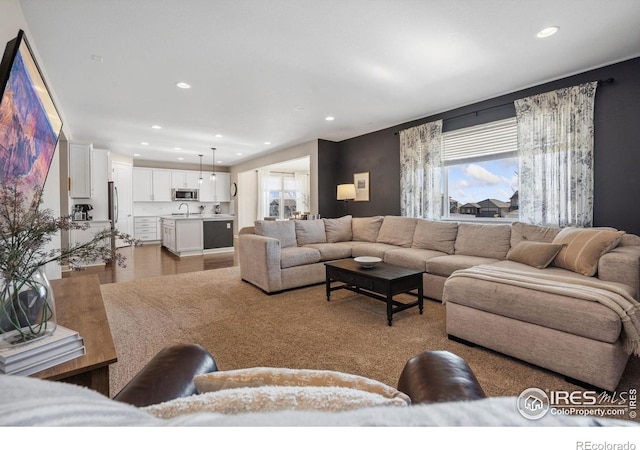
[(271, 71)]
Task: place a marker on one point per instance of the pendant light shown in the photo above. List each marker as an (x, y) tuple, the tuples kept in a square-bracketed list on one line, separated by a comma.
[(213, 165), (200, 179)]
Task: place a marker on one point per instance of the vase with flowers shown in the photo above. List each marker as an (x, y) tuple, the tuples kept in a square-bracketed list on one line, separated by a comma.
[(27, 308)]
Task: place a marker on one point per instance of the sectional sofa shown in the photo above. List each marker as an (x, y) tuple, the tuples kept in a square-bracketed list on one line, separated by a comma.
[(562, 299)]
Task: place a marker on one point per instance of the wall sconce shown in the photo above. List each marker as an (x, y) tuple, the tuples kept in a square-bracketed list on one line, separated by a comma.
[(346, 192)]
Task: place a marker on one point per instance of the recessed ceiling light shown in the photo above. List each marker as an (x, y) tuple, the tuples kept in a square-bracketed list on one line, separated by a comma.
[(239, 154), (218, 135), (181, 159), (156, 127), (136, 154), (177, 148), (144, 143), (219, 162), (267, 143), (546, 32), (329, 118), (183, 85)]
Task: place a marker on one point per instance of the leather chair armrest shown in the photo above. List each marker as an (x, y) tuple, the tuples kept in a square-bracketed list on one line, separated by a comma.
[(439, 376), (169, 375)]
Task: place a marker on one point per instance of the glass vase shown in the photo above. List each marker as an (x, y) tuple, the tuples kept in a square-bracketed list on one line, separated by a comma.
[(27, 310)]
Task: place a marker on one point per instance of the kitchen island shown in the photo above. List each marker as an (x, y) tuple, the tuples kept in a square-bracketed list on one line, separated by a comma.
[(197, 234)]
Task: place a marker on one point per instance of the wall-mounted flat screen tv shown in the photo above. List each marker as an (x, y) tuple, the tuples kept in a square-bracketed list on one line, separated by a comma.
[(29, 121)]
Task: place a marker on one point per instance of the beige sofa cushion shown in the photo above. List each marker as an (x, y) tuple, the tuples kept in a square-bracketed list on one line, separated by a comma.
[(413, 258), (298, 256), (432, 235), (366, 228), (284, 231), (372, 249), (446, 265), (338, 230), (488, 241), (534, 254), (583, 247), (526, 232), (396, 230), (310, 231), (332, 250)]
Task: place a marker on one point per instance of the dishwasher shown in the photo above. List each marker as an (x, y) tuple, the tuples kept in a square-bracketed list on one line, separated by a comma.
[(217, 234)]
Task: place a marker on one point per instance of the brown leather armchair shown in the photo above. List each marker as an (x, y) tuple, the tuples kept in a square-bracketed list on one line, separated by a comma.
[(430, 377)]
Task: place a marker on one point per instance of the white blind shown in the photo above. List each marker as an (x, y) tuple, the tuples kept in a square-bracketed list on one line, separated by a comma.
[(481, 141)]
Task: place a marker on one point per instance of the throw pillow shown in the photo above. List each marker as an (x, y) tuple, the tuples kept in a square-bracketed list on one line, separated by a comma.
[(488, 241), (397, 231), (526, 232), (535, 254), (366, 228), (583, 247), (310, 231), (432, 235), (277, 376), (284, 231), (272, 398), (338, 230)]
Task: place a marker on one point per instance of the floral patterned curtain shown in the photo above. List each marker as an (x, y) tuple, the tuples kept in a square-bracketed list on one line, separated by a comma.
[(555, 146), (421, 166)]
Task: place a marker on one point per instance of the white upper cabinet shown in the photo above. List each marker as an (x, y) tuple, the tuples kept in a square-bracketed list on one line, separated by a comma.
[(187, 179), (151, 185), (80, 170), (223, 185)]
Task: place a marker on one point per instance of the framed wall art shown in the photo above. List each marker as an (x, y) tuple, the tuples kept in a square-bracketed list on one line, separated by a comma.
[(361, 180)]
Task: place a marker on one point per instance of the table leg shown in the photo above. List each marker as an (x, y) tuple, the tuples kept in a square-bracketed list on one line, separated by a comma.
[(389, 307), (420, 297), (328, 288)]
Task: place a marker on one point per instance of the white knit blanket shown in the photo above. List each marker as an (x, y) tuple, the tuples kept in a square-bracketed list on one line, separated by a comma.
[(609, 295)]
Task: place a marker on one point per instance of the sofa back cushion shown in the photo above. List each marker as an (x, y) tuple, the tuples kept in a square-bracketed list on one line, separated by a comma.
[(583, 247), (310, 231), (431, 235), (366, 228), (489, 241), (526, 232), (397, 230), (284, 231), (338, 230)]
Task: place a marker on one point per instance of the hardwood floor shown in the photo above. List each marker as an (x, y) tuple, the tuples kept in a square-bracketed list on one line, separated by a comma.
[(151, 260)]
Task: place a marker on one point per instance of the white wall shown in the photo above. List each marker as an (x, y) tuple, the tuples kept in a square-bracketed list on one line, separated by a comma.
[(246, 212), (11, 21)]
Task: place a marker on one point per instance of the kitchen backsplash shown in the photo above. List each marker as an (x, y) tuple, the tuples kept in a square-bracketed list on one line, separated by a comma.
[(166, 208)]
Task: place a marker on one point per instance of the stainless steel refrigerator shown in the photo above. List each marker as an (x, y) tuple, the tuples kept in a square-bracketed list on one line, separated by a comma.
[(112, 194)]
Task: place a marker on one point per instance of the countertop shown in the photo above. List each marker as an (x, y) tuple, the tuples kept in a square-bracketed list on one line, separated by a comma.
[(195, 216)]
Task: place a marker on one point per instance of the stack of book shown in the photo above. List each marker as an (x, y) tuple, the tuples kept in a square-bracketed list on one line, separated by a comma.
[(63, 345)]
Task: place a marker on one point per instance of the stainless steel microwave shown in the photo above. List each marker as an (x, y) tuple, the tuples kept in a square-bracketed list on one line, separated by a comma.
[(185, 195)]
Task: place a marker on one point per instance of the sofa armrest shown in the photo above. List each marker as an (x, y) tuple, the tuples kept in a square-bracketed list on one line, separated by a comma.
[(259, 258), (439, 376), (622, 265), (169, 375)]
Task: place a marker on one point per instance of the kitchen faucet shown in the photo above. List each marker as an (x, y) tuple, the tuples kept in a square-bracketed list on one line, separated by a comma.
[(185, 204)]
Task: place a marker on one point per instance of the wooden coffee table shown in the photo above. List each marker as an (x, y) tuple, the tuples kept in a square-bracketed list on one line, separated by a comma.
[(79, 306), (381, 282)]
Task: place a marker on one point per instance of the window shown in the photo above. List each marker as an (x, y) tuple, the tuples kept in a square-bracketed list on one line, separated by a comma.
[(481, 171), (286, 194)]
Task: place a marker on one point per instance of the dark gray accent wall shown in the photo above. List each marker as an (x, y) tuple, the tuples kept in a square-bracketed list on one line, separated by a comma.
[(616, 152)]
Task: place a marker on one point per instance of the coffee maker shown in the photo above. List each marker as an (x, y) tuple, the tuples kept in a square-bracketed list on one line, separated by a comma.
[(81, 211)]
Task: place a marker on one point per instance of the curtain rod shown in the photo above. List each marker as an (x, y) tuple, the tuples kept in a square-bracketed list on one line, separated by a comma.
[(600, 82)]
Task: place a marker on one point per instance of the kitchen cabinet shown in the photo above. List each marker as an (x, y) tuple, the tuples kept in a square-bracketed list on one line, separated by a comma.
[(146, 228), (78, 237), (151, 185), (216, 191), (80, 170), (185, 179), (182, 236)]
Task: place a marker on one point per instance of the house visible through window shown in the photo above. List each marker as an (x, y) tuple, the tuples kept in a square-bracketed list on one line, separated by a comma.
[(481, 171), (282, 195)]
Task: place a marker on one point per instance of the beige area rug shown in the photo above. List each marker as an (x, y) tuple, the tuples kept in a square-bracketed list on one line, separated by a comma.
[(243, 327)]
